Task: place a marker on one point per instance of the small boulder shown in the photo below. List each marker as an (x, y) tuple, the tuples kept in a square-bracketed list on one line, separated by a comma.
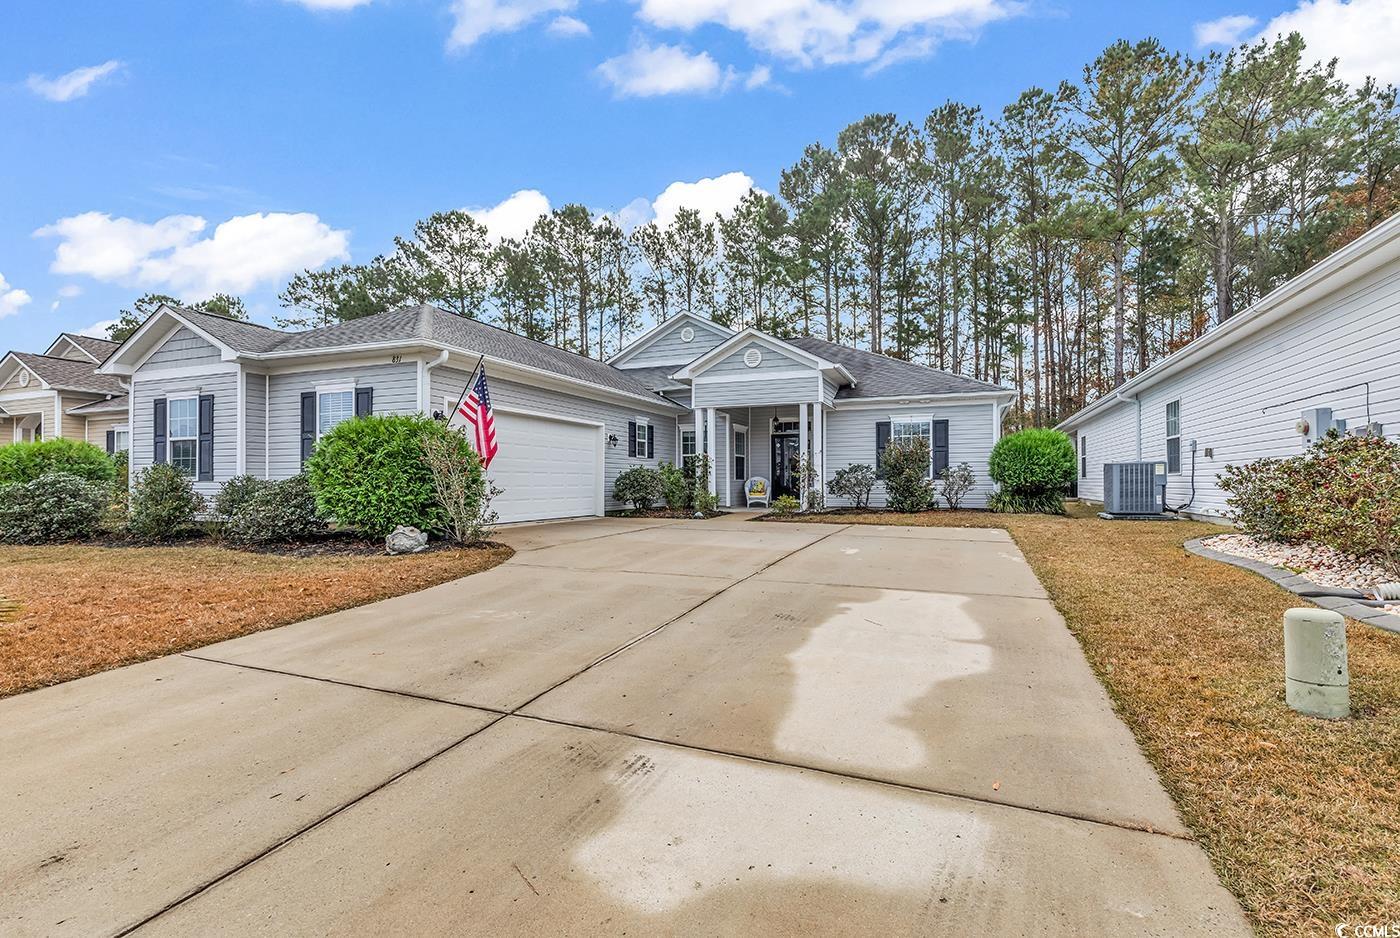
[(405, 539)]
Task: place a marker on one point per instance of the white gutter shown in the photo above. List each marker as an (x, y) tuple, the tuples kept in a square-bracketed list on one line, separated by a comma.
[(425, 383)]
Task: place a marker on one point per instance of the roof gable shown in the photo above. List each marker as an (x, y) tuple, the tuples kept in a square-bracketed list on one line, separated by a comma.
[(797, 357), (667, 342), (62, 374)]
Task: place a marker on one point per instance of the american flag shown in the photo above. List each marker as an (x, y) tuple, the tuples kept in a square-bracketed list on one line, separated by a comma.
[(475, 409)]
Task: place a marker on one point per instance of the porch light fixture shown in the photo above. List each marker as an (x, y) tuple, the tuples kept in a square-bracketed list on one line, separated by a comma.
[(612, 439)]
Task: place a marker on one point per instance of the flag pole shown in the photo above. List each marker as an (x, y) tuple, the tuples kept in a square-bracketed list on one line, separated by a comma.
[(470, 379)]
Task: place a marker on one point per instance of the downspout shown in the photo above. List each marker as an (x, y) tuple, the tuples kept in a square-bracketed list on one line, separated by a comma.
[(425, 389)]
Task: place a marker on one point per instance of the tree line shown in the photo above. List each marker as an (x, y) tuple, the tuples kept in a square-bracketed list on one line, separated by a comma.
[(1058, 247)]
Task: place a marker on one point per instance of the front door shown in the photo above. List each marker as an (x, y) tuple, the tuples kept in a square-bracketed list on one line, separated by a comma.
[(785, 465)]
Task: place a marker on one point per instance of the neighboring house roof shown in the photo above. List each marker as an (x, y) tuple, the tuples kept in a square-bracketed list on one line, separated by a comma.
[(879, 376), (65, 374), (1376, 247), (110, 405), (96, 349)]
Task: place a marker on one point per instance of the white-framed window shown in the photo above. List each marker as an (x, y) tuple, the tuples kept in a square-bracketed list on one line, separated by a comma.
[(1083, 457), (904, 429), (1174, 436), (689, 448), (784, 426), (741, 453), (182, 433), (335, 404), (643, 438), (121, 439)]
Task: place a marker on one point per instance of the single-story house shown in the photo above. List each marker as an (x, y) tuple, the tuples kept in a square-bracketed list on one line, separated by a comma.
[(1260, 384), (219, 398), (60, 394)]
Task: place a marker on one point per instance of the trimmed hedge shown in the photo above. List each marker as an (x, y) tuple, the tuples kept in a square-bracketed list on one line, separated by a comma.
[(25, 462), (57, 506), (369, 473), (275, 512), (163, 503), (1033, 469), (641, 486), (905, 467)]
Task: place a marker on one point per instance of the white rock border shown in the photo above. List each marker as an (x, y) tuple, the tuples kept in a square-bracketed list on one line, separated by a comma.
[(1294, 582)]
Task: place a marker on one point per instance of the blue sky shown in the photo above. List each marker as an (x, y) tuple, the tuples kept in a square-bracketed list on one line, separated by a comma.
[(183, 146)]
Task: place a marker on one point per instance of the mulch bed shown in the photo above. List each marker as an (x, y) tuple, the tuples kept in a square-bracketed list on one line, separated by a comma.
[(667, 513)]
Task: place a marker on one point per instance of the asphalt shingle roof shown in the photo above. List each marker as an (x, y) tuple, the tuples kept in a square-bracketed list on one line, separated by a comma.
[(97, 348), (422, 323), (656, 376), (114, 404), (68, 375), (881, 376)]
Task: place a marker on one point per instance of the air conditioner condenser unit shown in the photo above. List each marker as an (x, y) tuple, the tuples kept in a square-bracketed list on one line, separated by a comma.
[(1134, 489)]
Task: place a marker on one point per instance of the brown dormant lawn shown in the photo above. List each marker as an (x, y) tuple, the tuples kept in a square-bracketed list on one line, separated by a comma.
[(1301, 817), (78, 609)]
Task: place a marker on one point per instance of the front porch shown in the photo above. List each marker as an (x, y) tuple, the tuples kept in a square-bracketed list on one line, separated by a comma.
[(771, 442)]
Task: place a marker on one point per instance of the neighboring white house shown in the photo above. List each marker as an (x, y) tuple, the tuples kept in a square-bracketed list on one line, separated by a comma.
[(60, 394), (1329, 338), (219, 398)]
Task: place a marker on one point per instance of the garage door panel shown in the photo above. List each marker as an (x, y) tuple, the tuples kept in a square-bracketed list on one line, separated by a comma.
[(546, 468)]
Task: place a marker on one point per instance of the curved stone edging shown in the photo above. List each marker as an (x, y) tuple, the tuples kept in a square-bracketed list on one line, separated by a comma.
[(1371, 615)]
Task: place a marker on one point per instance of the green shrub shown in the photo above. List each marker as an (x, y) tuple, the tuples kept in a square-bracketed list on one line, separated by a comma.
[(24, 462), (955, 482), (163, 503), (121, 464), (463, 492), (785, 505), (675, 486), (369, 473), (701, 498), (853, 483), (57, 506), (1033, 469), (641, 486), (1344, 492), (905, 467), (276, 512), (235, 494)]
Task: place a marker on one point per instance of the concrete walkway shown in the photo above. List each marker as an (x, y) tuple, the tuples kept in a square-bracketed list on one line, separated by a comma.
[(632, 727)]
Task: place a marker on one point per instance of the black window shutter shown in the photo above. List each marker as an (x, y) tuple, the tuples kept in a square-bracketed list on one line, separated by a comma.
[(111, 442), (364, 402), (308, 423), (651, 442), (206, 438), (631, 438), (882, 439), (158, 435), (940, 446)]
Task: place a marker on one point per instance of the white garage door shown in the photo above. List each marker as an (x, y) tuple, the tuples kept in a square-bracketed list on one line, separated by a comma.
[(546, 468)]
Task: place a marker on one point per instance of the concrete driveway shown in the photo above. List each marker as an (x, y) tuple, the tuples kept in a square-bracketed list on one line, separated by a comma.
[(632, 727)]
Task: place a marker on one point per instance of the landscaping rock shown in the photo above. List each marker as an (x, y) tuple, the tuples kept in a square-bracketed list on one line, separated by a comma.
[(405, 539)]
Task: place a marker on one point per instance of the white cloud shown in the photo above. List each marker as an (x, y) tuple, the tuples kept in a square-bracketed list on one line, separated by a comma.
[(73, 84), (473, 19), (11, 298), (567, 27), (710, 197), (1362, 35), (1226, 31), (98, 330), (759, 77), (242, 253), (70, 291), (646, 71), (828, 32), (512, 217)]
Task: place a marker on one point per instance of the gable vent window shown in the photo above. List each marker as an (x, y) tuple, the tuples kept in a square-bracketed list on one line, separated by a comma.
[(753, 358), (1174, 436), (687, 334)]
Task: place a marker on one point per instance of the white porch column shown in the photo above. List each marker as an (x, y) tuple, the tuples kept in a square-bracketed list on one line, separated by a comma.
[(712, 447), (804, 450), (819, 445)]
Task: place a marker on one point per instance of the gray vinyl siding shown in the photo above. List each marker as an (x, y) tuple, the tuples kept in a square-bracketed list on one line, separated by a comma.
[(756, 393), (850, 439), (828, 392), (772, 360), (512, 395), (395, 392), (668, 348), (679, 397), (255, 423), (1348, 337), (182, 349), (224, 387)]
